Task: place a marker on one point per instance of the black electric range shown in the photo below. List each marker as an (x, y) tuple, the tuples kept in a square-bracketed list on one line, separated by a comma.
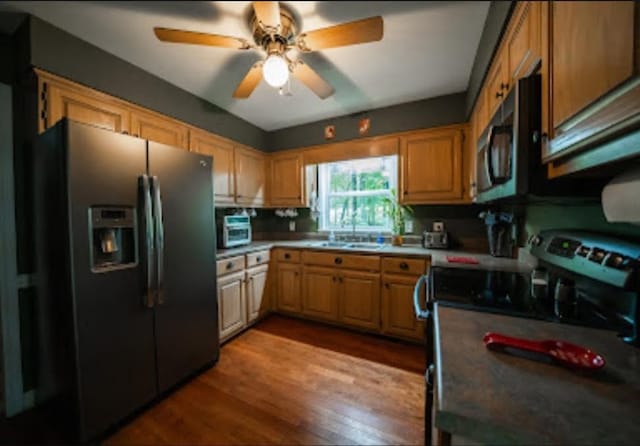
[(582, 278)]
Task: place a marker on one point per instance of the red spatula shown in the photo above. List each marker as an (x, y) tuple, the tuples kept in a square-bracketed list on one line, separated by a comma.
[(563, 352)]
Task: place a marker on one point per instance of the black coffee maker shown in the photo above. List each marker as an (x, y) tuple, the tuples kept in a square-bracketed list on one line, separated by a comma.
[(498, 232)]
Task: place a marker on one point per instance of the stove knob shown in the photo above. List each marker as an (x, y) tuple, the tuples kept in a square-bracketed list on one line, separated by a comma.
[(536, 240)]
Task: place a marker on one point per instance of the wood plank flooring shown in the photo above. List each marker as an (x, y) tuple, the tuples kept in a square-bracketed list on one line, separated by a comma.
[(287, 381)]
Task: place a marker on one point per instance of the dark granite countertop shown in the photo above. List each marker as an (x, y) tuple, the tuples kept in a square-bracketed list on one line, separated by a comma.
[(497, 398), (438, 256)]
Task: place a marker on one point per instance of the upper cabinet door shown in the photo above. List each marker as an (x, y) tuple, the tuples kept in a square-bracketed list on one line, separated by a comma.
[(287, 184), (223, 168), (523, 44), (61, 101), (250, 176), (431, 167), (497, 82), (594, 84), (159, 129)]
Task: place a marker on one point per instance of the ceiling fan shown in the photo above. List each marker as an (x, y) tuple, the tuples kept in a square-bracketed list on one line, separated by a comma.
[(275, 30)]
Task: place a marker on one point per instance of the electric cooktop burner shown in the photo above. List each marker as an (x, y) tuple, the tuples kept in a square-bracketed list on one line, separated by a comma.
[(506, 292)]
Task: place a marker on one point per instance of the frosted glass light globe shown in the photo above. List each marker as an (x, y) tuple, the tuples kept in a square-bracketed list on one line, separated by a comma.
[(275, 71)]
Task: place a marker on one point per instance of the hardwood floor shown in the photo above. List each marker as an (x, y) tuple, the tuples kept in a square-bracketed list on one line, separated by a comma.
[(287, 381)]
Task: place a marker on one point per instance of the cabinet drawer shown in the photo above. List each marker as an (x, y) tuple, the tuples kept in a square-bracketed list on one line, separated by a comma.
[(402, 265), (230, 265), (338, 259), (288, 255), (257, 258)]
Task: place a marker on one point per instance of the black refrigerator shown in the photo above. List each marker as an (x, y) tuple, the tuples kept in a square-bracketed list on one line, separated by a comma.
[(125, 241)]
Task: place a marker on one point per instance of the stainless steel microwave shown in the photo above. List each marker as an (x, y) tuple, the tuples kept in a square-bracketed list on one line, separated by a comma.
[(508, 151)]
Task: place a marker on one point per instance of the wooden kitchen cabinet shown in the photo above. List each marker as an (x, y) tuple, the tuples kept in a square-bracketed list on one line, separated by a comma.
[(287, 180), (232, 315), (431, 167), (359, 299), (398, 314), (257, 299), (497, 83), (62, 100), (523, 42), (250, 176), (223, 166), (288, 296), (320, 292), (157, 128), (594, 87)]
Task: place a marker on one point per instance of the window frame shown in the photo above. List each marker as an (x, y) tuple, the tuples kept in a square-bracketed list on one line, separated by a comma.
[(324, 196)]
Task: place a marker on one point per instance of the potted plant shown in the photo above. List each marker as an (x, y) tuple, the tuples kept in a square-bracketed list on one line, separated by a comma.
[(397, 213)]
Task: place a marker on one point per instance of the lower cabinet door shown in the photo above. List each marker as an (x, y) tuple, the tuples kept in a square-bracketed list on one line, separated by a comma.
[(398, 314), (232, 313), (319, 292), (288, 296), (359, 299), (256, 291)]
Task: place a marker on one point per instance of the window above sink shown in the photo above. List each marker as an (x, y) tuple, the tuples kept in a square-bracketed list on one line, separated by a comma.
[(351, 193)]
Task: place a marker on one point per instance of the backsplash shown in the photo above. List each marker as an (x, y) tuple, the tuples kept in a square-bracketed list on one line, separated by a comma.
[(466, 230), (571, 215)]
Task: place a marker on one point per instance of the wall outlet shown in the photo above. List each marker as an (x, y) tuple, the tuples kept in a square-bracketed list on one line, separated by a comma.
[(438, 226), (408, 226), (292, 225)]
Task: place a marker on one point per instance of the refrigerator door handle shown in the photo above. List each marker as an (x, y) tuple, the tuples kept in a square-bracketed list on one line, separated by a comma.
[(147, 220), (159, 239)]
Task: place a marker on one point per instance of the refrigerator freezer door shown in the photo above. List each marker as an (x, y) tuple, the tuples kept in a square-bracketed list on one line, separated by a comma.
[(115, 343), (186, 320)]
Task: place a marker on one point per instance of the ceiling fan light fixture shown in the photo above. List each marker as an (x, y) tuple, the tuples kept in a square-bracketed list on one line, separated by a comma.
[(275, 71)]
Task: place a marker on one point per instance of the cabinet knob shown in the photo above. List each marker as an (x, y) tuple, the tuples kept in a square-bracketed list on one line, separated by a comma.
[(504, 86), (124, 132), (340, 279), (338, 261), (404, 266), (499, 94), (229, 265), (295, 273), (258, 259), (334, 278), (287, 255), (386, 285), (299, 197)]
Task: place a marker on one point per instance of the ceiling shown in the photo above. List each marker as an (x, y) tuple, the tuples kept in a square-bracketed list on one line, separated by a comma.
[(427, 50)]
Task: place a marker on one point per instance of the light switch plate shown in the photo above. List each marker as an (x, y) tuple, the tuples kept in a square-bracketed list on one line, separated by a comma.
[(408, 226), (292, 225)]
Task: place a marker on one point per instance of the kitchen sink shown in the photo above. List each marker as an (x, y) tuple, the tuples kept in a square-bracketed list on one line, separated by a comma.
[(347, 245)]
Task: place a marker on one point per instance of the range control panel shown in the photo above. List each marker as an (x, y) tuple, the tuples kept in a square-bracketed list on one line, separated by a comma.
[(595, 255)]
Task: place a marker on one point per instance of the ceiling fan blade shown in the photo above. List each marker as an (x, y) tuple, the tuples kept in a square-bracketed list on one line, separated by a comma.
[(268, 13), (196, 38), (360, 31), (305, 74), (250, 82)]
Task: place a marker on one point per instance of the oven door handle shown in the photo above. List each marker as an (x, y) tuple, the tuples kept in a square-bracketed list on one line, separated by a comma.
[(420, 312)]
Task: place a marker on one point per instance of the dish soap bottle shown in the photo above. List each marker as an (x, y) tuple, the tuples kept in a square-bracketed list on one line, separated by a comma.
[(332, 237)]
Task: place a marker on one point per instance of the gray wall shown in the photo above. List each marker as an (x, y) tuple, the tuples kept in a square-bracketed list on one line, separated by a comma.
[(6, 59), (499, 13), (441, 110), (58, 52)]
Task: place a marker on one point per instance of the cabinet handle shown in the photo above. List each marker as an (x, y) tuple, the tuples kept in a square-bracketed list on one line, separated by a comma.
[(295, 273), (386, 285), (229, 265), (404, 266), (499, 95), (340, 279), (504, 86), (124, 132), (334, 278), (299, 197), (258, 259), (337, 261), (287, 255)]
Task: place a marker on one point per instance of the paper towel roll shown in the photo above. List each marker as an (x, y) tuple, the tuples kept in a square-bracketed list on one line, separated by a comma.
[(621, 198)]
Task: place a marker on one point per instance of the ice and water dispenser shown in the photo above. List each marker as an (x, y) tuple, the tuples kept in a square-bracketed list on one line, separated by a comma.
[(113, 238)]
